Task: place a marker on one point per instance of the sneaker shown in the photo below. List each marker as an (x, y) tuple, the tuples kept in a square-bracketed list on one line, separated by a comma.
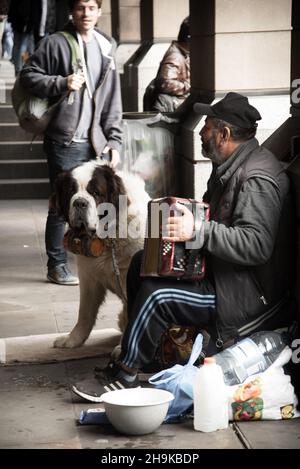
[(61, 274), (112, 378)]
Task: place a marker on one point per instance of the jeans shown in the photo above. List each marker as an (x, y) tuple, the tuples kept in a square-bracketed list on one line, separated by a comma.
[(61, 158), (23, 44)]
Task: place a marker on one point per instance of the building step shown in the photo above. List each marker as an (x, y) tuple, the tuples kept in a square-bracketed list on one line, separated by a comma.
[(7, 114), (5, 93), (21, 150), (24, 189), (20, 169), (13, 132), (7, 70)]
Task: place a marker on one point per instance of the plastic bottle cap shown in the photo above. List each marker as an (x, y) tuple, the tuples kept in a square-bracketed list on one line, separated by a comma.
[(209, 360)]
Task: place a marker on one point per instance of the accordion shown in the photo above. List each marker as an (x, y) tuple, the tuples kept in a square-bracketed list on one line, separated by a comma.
[(168, 259)]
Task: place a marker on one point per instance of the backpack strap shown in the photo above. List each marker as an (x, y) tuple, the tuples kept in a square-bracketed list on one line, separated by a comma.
[(76, 61), (75, 50)]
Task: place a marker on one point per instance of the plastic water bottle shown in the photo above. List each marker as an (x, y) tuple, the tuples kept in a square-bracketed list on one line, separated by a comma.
[(210, 399), (250, 356)]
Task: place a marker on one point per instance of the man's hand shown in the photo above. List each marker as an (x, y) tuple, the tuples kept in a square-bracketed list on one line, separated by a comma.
[(115, 156), (180, 227), (75, 81)]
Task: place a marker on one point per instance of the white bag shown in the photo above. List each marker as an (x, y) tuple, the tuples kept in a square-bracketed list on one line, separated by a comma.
[(265, 396)]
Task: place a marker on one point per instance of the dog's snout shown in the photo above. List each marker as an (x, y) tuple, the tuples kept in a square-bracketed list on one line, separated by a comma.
[(80, 203)]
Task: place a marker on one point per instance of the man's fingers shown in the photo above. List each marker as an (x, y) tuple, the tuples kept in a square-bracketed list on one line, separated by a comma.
[(115, 158), (173, 239), (182, 209), (171, 230), (75, 81)]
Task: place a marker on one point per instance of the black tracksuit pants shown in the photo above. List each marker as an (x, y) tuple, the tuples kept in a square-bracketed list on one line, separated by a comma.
[(153, 304)]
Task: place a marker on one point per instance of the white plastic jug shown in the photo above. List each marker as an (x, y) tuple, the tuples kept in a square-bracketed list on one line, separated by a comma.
[(210, 399)]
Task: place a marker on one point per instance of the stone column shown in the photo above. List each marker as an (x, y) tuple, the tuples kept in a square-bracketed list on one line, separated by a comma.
[(295, 60), (126, 29), (290, 134), (284, 143), (104, 22), (160, 21), (237, 46)]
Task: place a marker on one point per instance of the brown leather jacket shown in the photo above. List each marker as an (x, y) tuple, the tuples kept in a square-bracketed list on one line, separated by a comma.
[(173, 76)]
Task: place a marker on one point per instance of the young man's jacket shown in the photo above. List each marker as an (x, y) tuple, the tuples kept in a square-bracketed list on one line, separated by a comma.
[(45, 74), (250, 242)]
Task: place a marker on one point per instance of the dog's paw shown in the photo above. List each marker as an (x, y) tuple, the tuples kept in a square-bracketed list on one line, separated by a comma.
[(66, 342), (115, 354)]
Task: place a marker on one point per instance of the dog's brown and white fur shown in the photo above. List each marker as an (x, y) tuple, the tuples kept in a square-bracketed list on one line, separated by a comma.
[(79, 194)]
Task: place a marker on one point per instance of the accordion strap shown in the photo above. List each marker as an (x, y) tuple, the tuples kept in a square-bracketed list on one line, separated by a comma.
[(190, 268), (193, 253)]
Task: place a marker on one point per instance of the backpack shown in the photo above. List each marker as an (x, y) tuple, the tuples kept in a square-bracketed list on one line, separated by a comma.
[(34, 114), (150, 96)]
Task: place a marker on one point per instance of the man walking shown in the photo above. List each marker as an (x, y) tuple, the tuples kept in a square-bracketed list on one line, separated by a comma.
[(87, 122)]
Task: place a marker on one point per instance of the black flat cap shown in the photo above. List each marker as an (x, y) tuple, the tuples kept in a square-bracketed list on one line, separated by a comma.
[(234, 108)]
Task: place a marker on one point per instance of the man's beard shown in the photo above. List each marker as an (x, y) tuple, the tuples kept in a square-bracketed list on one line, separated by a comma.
[(209, 150)]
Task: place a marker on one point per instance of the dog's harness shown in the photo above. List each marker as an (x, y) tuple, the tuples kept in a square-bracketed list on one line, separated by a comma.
[(79, 242)]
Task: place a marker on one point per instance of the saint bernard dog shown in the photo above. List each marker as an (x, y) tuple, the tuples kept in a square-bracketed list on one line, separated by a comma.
[(84, 196)]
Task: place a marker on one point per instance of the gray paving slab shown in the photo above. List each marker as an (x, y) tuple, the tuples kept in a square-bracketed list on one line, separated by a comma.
[(36, 409), (167, 436), (33, 377), (276, 434), (66, 313), (37, 320), (26, 255)]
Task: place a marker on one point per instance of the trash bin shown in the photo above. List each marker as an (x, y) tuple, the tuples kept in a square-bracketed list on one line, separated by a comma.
[(149, 150)]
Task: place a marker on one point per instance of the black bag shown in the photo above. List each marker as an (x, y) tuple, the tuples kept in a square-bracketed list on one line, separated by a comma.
[(150, 96)]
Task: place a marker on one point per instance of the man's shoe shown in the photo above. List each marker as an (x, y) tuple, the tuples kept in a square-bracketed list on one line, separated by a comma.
[(112, 378), (61, 274)]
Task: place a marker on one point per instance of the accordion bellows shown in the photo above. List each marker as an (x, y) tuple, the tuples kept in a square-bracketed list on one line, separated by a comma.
[(167, 259)]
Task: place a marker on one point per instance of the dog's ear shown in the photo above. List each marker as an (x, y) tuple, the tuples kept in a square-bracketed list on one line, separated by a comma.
[(115, 187), (65, 187)]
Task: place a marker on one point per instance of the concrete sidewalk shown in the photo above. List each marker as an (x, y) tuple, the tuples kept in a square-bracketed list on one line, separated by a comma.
[(37, 407)]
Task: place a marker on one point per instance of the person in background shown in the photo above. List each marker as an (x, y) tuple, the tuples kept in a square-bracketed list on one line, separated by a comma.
[(32, 20), (19, 16), (62, 14), (4, 4), (86, 126), (172, 83), (249, 235), (48, 16)]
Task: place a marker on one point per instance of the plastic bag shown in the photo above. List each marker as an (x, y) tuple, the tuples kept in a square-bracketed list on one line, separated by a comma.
[(266, 396), (148, 150), (179, 381)]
